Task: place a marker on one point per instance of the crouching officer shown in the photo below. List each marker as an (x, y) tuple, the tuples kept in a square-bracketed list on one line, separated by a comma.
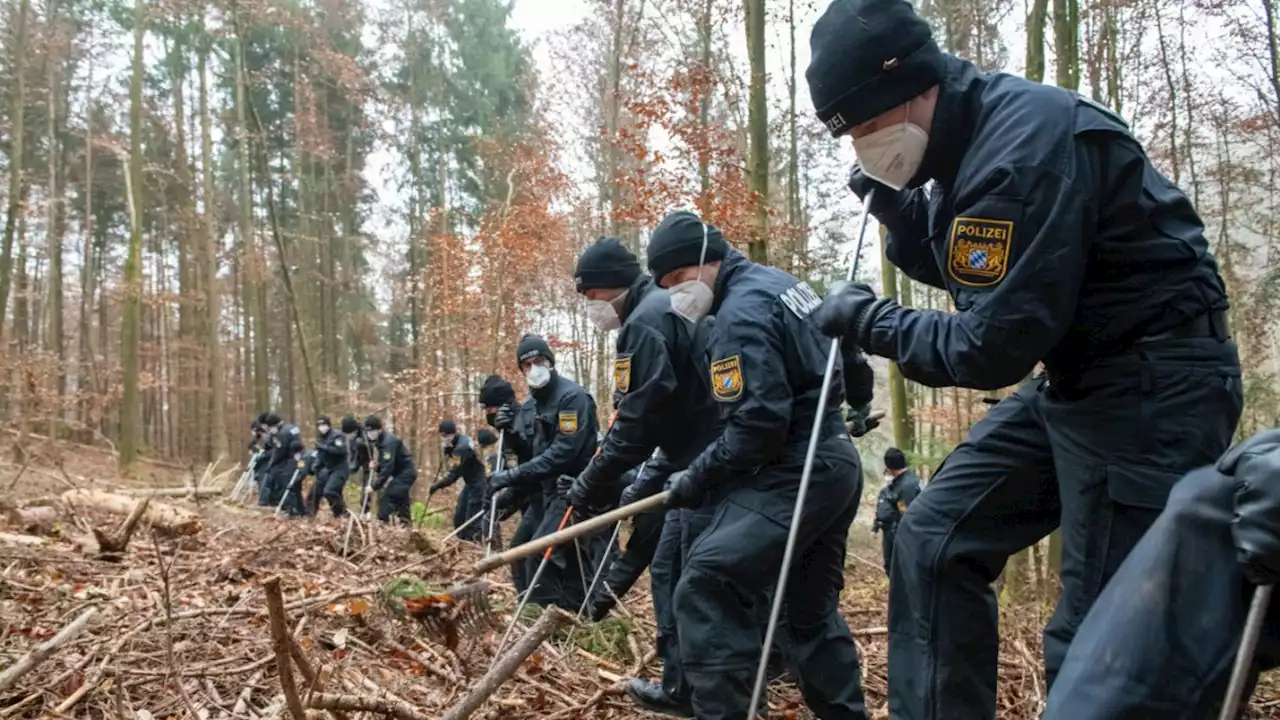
[(464, 464), (1060, 243), (331, 468), (394, 470), (284, 440), (665, 403), (1170, 621), (516, 423), (767, 369), (901, 486), (564, 440)]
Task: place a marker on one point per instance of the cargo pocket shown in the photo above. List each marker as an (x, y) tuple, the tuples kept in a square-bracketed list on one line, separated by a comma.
[(1189, 412), (1138, 494)]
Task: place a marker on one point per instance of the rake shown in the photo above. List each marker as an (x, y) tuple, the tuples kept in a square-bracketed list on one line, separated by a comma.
[(448, 615)]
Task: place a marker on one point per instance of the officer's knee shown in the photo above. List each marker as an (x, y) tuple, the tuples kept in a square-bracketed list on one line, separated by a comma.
[(1196, 497), (917, 538)]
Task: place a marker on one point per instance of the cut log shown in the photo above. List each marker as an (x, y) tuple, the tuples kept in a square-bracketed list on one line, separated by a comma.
[(202, 491), (169, 518), (506, 666), (35, 520)]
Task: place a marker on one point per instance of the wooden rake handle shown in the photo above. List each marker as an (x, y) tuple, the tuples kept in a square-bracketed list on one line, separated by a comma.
[(572, 532)]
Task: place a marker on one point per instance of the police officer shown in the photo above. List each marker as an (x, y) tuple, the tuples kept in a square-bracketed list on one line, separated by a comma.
[(1060, 243), (358, 456), (332, 468), (487, 440), (1162, 637), (664, 402), (286, 467), (260, 457), (767, 369), (394, 470), (901, 486), (464, 464), (516, 423), (564, 440)]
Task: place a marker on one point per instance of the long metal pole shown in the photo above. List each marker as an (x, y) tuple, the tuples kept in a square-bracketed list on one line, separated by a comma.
[(1244, 656)]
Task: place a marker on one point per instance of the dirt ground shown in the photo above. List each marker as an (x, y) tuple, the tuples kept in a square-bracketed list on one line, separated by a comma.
[(180, 625)]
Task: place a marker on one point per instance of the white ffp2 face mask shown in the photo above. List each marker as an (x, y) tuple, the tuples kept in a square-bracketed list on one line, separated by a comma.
[(538, 376), (892, 155), (604, 313), (693, 299)]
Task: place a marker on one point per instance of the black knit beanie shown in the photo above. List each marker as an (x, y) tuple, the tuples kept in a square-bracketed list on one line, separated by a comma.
[(677, 243), (868, 57), (485, 437), (606, 263), (271, 420), (373, 422), (496, 392), (447, 427), (349, 425), (533, 346)]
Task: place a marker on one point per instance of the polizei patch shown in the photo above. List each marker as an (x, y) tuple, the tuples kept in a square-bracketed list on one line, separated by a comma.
[(978, 250), (622, 374), (726, 378), (568, 423)]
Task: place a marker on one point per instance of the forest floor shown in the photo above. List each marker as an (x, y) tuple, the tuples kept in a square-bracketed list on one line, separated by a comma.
[(182, 629)]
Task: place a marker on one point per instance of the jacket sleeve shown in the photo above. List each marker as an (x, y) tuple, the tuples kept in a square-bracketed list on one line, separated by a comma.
[(335, 451), (575, 408), (465, 456), (905, 217), (1016, 308), (294, 441), (749, 379), (404, 462), (859, 378), (645, 360)]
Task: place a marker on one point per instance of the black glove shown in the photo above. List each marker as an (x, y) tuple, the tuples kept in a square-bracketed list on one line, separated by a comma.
[(860, 421), (507, 499), (860, 184), (628, 495), (601, 605), (848, 311), (378, 484), (436, 487), (684, 491), (1255, 466), (505, 418), (501, 481)]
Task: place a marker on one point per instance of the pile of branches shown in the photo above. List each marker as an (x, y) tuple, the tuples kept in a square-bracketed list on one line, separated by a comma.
[(241, 615)]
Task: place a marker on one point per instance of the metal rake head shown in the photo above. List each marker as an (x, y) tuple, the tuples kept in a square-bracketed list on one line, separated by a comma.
[(463, 608)]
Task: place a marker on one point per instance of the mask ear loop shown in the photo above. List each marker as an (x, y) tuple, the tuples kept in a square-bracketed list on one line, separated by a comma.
[(702, 256)]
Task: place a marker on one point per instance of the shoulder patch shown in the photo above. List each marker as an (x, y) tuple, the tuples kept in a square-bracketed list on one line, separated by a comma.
[(622, 374), (386, 455), (801, 300), (454, 461), (568, 422), (978, 251), (294, 431), (726, 378), (338, 442)]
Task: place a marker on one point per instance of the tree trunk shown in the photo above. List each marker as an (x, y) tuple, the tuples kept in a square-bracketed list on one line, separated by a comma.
[(1066, 33), (17, 108), (897, 384), (130, 410), (53, 337), (758, 122), (1035, 39), (255, 280), (213, 308)]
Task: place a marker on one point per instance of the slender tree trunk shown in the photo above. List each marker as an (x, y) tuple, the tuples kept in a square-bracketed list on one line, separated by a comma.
[(897, 384), (255, 279), (84, 370), (758, 122), (212, 299), (17, 155), (54, 336), (1035, 39), (1066, 33), (130, 410)]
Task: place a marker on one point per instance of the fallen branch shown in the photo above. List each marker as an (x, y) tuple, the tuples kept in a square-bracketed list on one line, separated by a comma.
[(202, 491), (112, 547), (13, 539), (41, 652), (506, 666), (380, 706), (281, 642)]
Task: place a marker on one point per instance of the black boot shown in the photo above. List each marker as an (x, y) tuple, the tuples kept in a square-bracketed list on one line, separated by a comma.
[(653, 698)]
